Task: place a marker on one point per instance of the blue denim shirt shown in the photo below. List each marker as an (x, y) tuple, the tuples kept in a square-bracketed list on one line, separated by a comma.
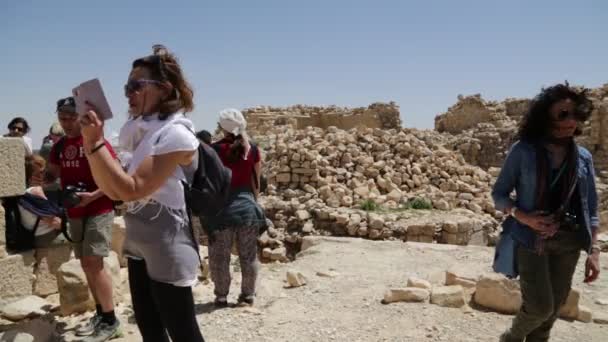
[(519, 173)]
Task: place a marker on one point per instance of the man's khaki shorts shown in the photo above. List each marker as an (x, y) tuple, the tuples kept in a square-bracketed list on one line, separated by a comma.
[(97, 235)]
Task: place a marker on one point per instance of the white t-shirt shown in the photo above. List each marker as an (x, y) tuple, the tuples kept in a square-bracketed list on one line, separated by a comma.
[(28, 220), (162, 137)]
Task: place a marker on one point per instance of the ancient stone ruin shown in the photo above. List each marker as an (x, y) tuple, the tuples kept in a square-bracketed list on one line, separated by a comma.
[(340, 172), (377, 115)]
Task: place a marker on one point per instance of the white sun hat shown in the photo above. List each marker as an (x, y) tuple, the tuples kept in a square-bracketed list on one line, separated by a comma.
[(232, 121)]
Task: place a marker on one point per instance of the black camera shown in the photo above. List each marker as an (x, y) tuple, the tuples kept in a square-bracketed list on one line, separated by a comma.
[(70, 197)]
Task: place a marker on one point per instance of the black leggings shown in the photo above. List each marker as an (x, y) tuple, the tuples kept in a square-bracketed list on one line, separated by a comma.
[(161, 308)]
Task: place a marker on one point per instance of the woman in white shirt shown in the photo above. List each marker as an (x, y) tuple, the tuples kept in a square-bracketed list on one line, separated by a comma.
[(162, 252)]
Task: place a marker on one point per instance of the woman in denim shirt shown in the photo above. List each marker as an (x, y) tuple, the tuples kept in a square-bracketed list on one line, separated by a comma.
[(553, 214)]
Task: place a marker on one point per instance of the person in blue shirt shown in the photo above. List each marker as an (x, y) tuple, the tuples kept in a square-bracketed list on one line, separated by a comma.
[(553, 213)]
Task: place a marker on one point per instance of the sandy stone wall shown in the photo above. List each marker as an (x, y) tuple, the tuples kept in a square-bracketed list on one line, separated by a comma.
[(376, 115)]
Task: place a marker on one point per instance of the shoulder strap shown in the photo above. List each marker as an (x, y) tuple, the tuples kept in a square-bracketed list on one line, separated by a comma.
[(255, 153), (58, 147), (36, 226)]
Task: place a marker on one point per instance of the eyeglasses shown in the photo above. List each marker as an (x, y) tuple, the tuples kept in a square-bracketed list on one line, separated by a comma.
[(17, 129), (136, 85)]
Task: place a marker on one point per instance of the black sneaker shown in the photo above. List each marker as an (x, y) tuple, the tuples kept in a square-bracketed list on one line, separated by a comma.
[(244, 301), (89, 327), (104, 332), (220, 302)]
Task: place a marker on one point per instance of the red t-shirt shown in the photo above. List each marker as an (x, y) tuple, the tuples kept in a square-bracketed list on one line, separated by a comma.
[(74, 169), (242, 170)]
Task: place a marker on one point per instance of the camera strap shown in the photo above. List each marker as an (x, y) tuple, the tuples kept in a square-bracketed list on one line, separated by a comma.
[(64, 227)]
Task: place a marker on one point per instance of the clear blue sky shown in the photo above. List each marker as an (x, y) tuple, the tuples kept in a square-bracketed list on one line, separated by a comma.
[(421, 54)]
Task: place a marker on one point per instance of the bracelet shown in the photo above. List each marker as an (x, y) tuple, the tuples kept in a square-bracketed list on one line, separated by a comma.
[(97, 148), (595, 248)]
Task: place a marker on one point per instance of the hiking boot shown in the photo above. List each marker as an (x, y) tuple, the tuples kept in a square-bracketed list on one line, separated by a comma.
[(89, 327), (104, 332)]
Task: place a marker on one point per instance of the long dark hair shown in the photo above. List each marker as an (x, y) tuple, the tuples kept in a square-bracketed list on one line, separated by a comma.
[(164, 67), (237, 147), (536, 123), (22, 121)]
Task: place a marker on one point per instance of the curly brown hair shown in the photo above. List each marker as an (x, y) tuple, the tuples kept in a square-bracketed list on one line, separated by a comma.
[(535, 125)]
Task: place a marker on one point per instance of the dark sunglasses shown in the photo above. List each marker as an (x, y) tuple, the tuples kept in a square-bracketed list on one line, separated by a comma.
[(565, 114), (17, 128), (136, 85)]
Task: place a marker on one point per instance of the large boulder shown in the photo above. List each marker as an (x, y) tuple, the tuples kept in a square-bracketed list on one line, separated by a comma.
[(119, 232), (30, 306), (74, 292), (48, 261), (497, 292), (37, 330), (17, 272)]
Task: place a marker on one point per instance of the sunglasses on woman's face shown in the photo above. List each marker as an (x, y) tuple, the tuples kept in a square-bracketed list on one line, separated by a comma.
[(136, 85), (16, 128), (565, 114)]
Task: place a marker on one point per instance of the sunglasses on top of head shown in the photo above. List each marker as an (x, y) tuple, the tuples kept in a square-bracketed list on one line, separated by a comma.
[(136, 85)]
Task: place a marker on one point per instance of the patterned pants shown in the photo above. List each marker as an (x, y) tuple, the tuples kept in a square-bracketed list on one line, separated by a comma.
[(219, 259)]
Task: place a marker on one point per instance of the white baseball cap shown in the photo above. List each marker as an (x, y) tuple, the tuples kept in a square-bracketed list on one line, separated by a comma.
[(232, 121)]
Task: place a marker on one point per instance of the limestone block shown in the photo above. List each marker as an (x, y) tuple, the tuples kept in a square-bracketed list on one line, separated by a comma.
[(48, 261), (448, 296), (30, 306), (74, 292), (497, 292), (407, 294), (17, 276), (463, 276), (12, 168), (119, 232)]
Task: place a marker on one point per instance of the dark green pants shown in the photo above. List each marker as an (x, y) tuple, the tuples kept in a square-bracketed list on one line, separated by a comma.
[(545, 283)]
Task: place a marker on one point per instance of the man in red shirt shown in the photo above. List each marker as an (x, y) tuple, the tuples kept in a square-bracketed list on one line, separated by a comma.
[(90, 214)]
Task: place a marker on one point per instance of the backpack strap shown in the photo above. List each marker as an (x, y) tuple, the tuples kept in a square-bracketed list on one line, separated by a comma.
[(255, 154), (58, 147), (36, 226)]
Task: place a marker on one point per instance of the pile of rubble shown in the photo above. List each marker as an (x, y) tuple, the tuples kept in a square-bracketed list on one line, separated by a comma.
[(368, 183)]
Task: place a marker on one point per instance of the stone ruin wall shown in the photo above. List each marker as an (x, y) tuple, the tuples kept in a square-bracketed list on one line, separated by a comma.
[(482, 130), (377, 115)]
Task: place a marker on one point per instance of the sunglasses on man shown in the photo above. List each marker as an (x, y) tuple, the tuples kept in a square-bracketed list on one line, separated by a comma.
[(136, 85)]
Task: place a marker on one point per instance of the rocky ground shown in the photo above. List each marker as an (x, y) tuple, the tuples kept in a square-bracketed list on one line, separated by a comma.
[(346, 280)]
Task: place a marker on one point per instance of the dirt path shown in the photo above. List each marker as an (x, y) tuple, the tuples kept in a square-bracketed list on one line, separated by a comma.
[(346, 307)]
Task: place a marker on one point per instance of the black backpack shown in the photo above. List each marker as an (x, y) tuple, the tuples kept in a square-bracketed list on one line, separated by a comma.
[(207, 195), (18, 238)]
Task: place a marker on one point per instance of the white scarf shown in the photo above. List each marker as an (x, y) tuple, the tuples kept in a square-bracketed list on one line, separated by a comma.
[(137, 140)]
